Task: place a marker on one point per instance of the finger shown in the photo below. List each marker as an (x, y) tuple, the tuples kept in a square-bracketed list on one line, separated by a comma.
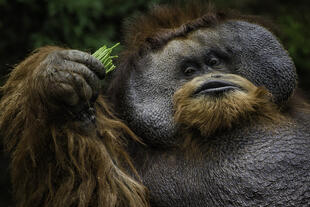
[(78, 83), (66, 93), (81, 87), (84, 58), (64, 70)]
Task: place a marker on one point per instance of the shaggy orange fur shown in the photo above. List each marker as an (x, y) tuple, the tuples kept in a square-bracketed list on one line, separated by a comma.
[(209, 114), (54, 163)]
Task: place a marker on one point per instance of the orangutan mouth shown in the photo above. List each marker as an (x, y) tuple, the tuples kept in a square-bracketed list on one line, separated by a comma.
[(216, 87)]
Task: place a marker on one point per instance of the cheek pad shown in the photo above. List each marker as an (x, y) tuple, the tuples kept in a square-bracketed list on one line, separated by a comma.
[(259, 57), (148, 109)]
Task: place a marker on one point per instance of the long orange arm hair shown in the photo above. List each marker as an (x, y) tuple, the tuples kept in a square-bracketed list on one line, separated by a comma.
[(54, 163)]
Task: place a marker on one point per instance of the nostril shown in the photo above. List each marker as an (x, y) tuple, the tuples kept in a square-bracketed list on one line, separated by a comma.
[(216, 76)]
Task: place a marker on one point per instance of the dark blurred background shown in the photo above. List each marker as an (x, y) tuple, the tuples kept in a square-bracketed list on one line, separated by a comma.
[(88, 24)]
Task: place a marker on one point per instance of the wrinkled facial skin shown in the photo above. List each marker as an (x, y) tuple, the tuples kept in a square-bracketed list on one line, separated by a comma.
[(235, 47)]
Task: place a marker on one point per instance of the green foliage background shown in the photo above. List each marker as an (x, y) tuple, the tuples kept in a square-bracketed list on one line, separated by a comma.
[(88, 24)]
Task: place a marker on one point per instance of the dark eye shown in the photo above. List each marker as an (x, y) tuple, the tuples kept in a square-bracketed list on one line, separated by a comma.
[(213, 61), (189, 71)]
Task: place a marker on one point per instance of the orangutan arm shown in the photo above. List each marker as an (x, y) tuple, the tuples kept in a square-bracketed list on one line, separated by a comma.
[(50, 92), (53, 123)]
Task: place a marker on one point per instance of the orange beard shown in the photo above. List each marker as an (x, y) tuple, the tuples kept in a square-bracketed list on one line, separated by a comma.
[(210, 113)]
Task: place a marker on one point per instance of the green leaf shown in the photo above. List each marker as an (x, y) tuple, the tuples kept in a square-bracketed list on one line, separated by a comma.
[(104, 55)]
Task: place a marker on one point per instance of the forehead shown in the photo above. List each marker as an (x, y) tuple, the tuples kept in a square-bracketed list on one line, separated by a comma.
[(193, 44), (233, 35)]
